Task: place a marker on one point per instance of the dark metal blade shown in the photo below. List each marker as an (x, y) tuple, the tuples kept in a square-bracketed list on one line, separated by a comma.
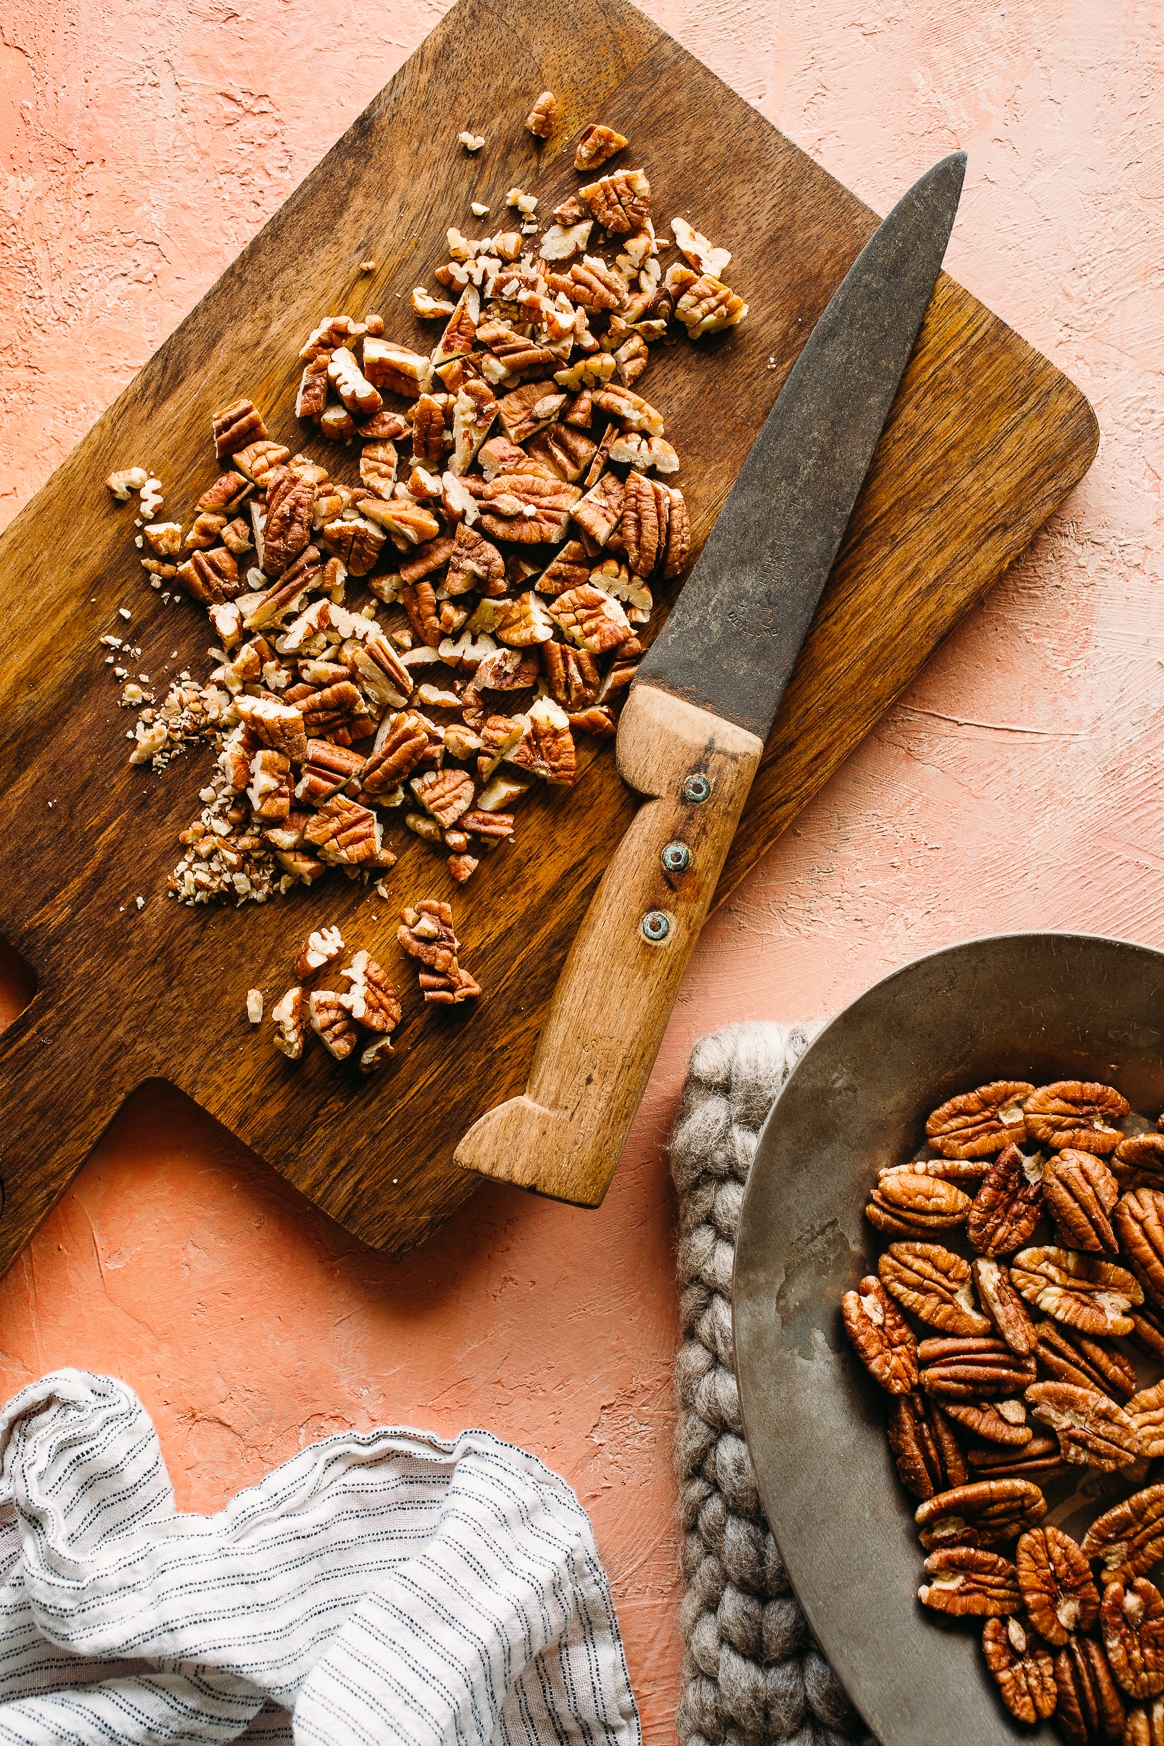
[(732, 639)]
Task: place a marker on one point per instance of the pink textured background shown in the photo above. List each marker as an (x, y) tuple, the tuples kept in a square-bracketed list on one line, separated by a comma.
[(1015, 786)]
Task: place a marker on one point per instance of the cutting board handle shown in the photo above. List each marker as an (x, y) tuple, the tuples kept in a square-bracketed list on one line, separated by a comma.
[(614, 996)]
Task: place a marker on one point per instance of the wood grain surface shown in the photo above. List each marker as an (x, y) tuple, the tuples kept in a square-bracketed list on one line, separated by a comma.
[(984, 440)]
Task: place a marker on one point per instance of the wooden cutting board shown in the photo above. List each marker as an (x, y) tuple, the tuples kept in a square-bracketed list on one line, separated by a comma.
[(984, 440)]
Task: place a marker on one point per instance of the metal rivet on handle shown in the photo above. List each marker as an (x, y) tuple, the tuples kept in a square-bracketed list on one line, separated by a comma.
[(676, 858), (655, 926), (696, 787)]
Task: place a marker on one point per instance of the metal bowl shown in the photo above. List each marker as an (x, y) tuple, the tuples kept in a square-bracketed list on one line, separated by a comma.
[(1024, 1006)]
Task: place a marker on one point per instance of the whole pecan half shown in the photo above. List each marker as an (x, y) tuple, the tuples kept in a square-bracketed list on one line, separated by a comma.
[(1133, 1635), (1092, 1430), (1080, 1191), (969, 1368), (1072, 1357), (881, 1336), (969, 1583), (1139, 1222), (1003, 1421), (1076, 1114), (1021, 1668), (980, 1123), (1088, 1294), (1146, 1411), (1038, 1457), (1007, 1206), (1054, 1579), (1003, 1305), (909, 1205), (980, 1514), (1090, 1711), (1129, 1538), (929, 1458), (934, 1284), (1145, 1725), (1138, 1161)]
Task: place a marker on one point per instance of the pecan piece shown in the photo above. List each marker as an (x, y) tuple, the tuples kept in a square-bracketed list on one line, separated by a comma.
[(1145, 1726), (332, 1023), (1002, 1421), (1075, 1113), (968, 1368), (906, 1205), (969, 1583), (444, 794), (591, 618), (980, 1123), (1021, 1668), (526, 507), (474, 563), (289, 1016), (211, 577), (1092, 1430), (881, 1336), (708, 306), (599, 513), (966, 1173), (1054, 1580), (380, 672), (236, 426), (645, 516), (345, 832), (1139, 1221), (355, 540), (566, 452), (1007, 1206), (929, 1458), (934, 1284), (980, 1514), (540, 120), (420, 603), (546, 748), (524, 622), (321, 947), (269, 789), (596, 144), (1146, 1411), (396, 368), (1133, 1635), (372, 999), (621, 202), (528, 408), (571, 674), (1129, 1538), (426, 932), (1137, 1162), (428, 430), (1090, 1711), (1072, 1357), (570, 569), (1086, 1293), (278, 725), (290, 504), (259, 459), (1080, 1191), (1003, 1305), (1039, 1457), (1148, 1331)]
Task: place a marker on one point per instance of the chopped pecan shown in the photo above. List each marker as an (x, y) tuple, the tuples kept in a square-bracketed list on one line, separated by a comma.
[(1080, 1191), (980, 1514), (396, 368), (287, 593), (528, 408), (380, 672), (595, 146), (980, 1123), (880, 1336), (372, 999), (457, 339), (278, 725), (404, 746), (312, 396), (1003, 1421), (355, 540), (620, 202), (269, 790), (259, 459), (165, 537), (1146, 1411), (462, 867), (1133, 1635), (571, 674), (1034, 1460), (378, 467), (444, 794), (290, 504), (599, 513), (969, 1583), (1072, 1357), (236, 426), (1006, 1208), (499, 735), (211, 577), (343, 831), (1137, 1162), (513, 669), (591, 618), (236, 536), (428, 430), (1092, 1430), (1054, 1580), (924, 1446), (1129, 1538), (375, 1054), (597, 721), (1139, 1221), (488, 824), (474, 410), (906, 1205), (225, 494), (540, 120), (968, 1367), (647, 453), (594, 285), (526, 507), (1090, 1710), (965, 1173), (1086, 1293), (1021, 1668), (934, 1284), (319, 948), (333, 331), (429, 558), (523, 622), (1148, 1331), (426, 932), (1145, 1725), (407, 524), (631, 411), (1003, 1306), (645, 516), (1074, 1113), (546, 748), (331, 708), (565, 451), (289, 1016), (709, 306), (474, 563), (563, 240), (332, 1023), (420, 603)]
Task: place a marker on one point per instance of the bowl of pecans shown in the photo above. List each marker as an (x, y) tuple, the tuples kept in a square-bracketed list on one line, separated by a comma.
[(949, 1330)]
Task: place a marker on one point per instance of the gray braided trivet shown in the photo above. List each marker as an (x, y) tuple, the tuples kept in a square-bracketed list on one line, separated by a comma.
[(752, 1674)]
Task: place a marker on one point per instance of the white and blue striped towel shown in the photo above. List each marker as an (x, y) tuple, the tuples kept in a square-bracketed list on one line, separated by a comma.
[(383, 1586)]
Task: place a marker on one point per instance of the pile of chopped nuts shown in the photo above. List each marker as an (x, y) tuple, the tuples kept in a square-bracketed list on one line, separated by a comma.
[(998, 1160), (508, 519), (365, 1016)]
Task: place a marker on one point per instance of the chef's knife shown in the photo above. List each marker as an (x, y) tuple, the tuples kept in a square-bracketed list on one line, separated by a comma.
[(693, 729)]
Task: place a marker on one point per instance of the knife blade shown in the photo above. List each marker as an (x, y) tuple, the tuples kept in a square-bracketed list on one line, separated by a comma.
[(692, 731)]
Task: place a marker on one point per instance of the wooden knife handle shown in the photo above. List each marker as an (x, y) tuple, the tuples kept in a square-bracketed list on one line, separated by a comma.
[(610, 1008)]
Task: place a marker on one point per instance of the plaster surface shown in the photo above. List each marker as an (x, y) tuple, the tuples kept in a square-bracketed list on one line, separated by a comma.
[(1015, 785)]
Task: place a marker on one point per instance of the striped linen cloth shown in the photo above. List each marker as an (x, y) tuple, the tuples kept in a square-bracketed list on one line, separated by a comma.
[(383, 1586)]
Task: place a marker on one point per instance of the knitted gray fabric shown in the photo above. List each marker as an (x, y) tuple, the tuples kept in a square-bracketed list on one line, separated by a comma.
[(752, 1674)]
